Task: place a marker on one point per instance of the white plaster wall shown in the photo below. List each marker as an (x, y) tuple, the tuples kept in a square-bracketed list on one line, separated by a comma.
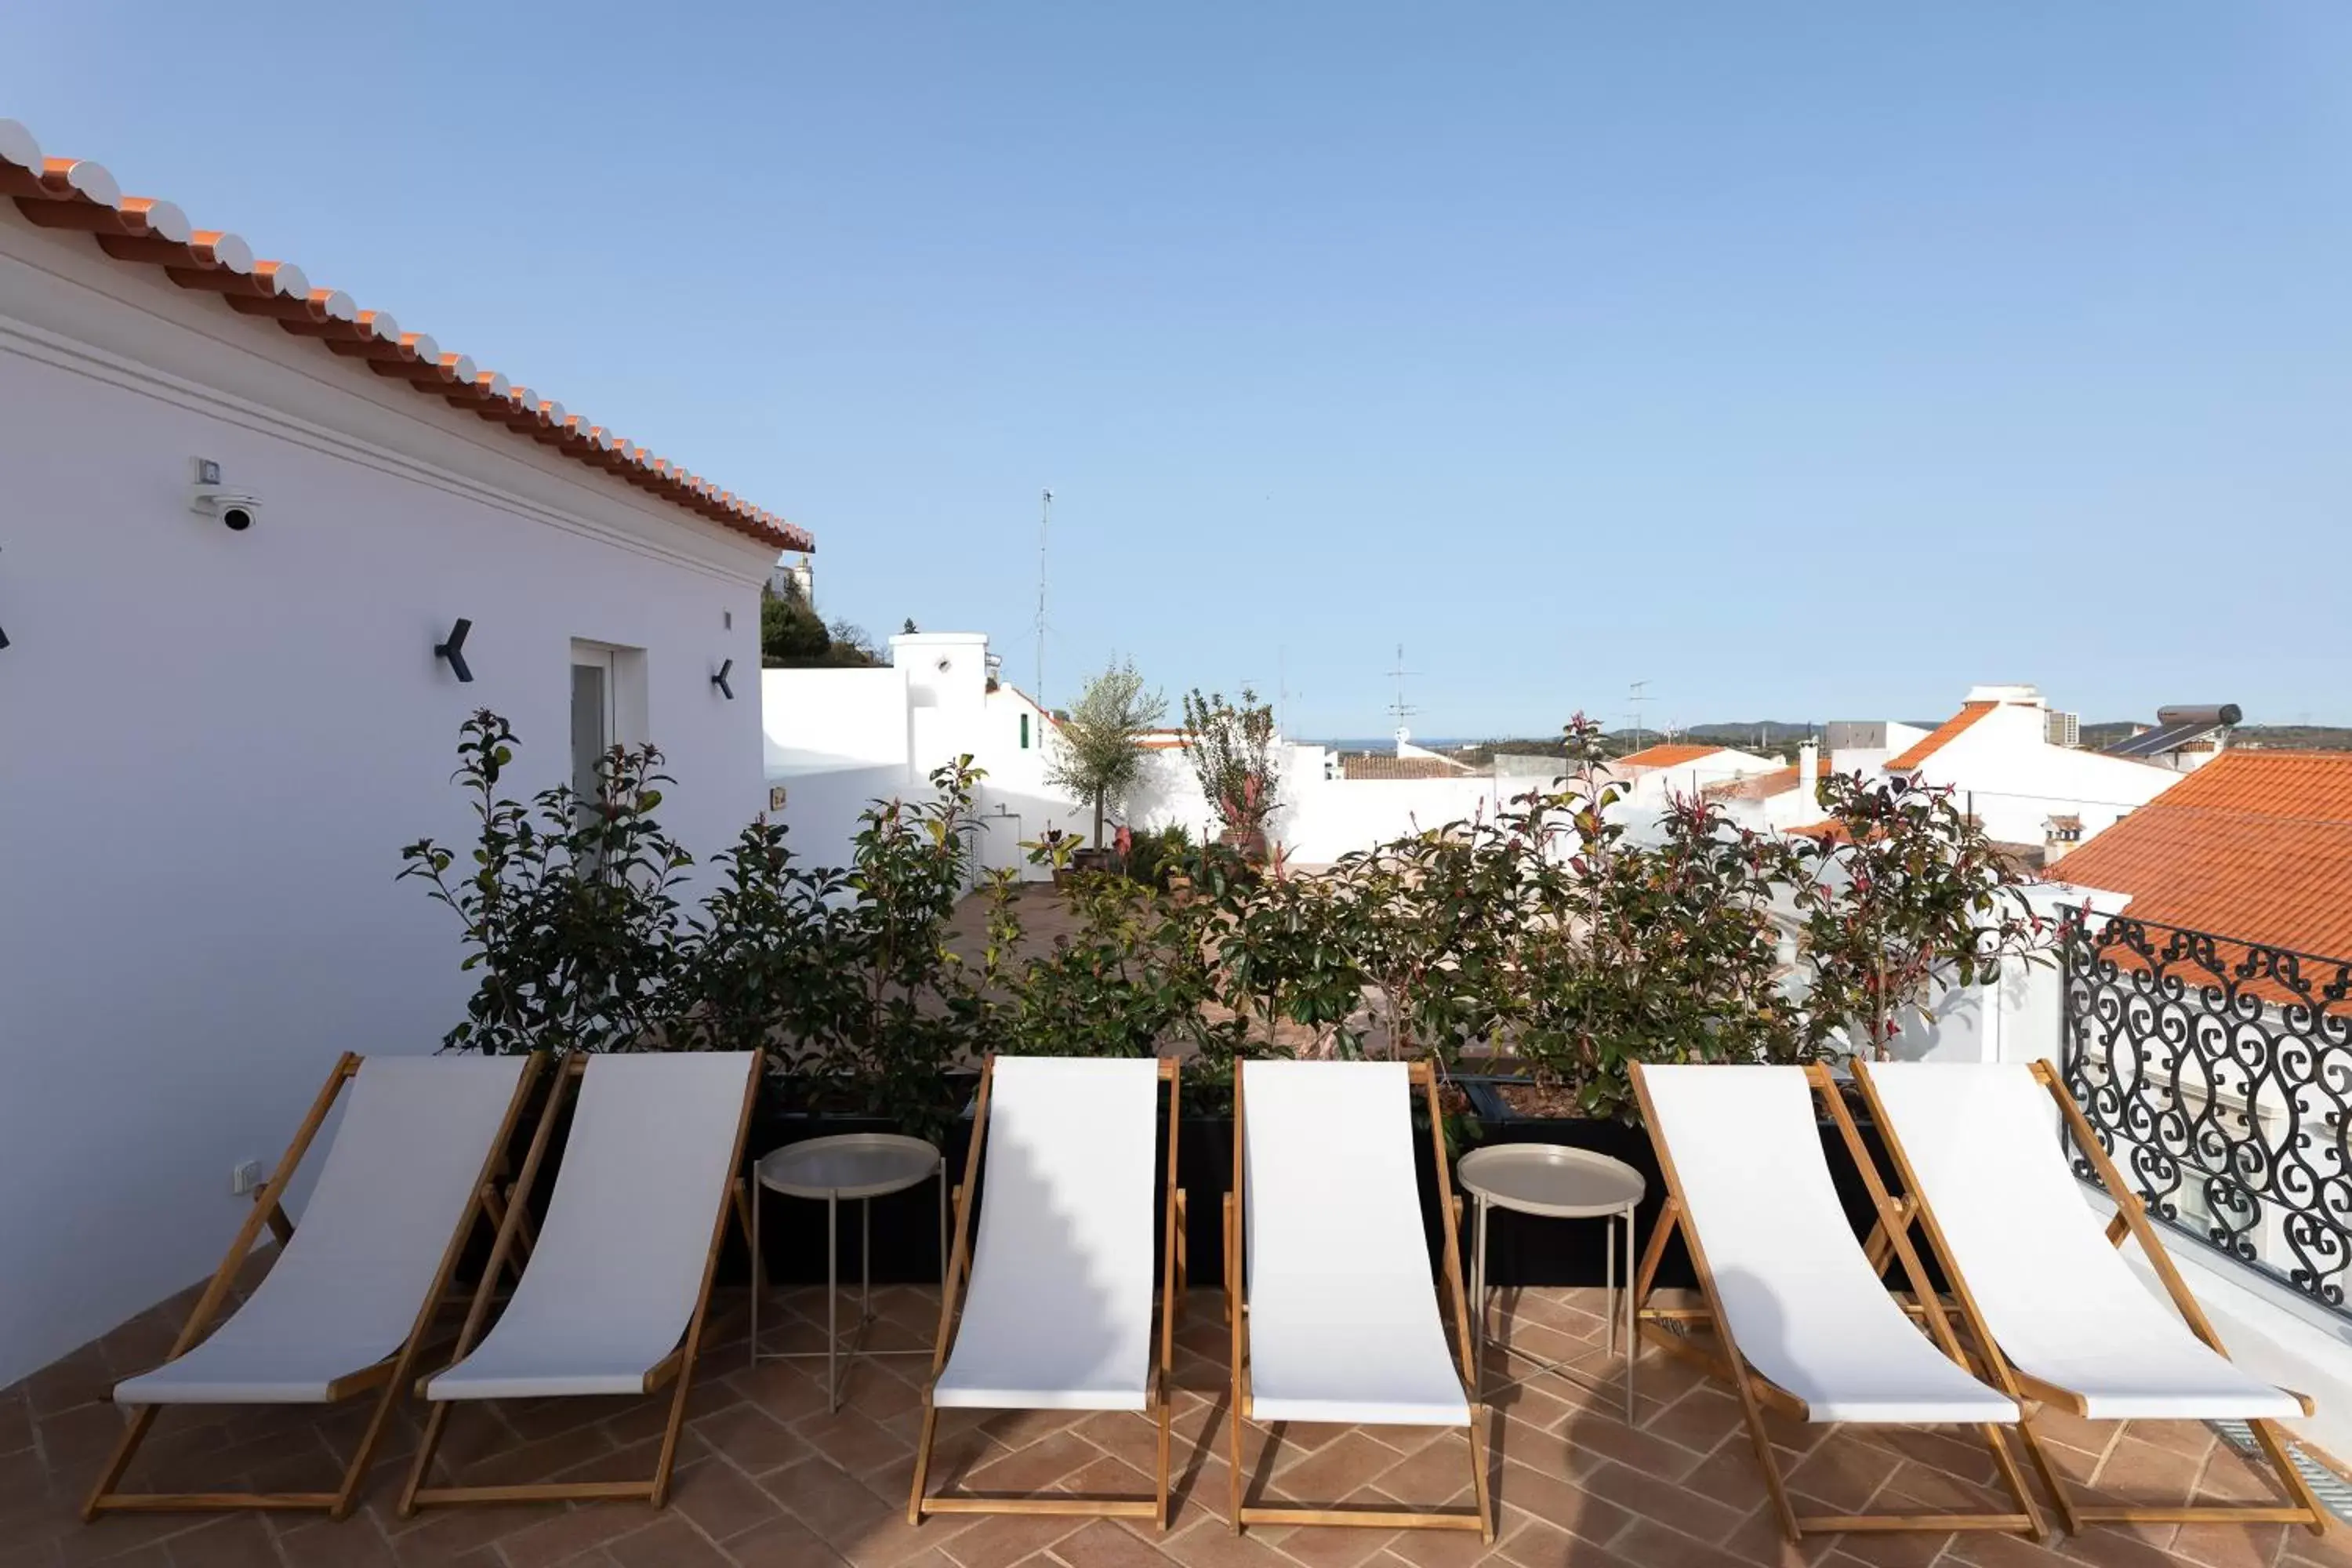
[(816, 720), (2005, 770), (213, 745)]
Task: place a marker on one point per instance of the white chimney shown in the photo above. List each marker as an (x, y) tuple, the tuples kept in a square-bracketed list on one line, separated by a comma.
[(1808, 769)]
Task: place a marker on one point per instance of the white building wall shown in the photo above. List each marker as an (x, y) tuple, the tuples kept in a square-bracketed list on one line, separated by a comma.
[(2005, 771), (213, 745)]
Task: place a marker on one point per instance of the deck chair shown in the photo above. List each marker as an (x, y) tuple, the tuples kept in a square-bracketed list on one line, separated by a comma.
[(353, 1292), (1805, 1324), (613, 1298), (1976, 1147), (1336, 1317), (1054, 1311)]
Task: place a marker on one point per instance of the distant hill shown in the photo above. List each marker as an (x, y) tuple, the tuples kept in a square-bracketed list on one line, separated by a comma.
[(1772, 736), (1767, 735)]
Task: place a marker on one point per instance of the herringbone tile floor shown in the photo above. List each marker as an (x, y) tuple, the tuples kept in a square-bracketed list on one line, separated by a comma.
[(769, 1478)]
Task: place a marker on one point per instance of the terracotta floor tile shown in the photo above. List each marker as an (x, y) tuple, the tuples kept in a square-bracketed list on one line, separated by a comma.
[(2229, 1545), (1106, 1543), (1657, 1545), (781, 1543), (1685, 1510), (999, 1541), (2137, 1470), (719, 1500), (751, 1439), (559, 1537), (668, 1542), (768, 1476), (2121, 1545), (232, 1541)]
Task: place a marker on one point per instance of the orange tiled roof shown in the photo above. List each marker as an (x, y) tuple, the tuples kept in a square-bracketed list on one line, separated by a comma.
[(1755, 787), (1664, 756), (1372, 766), (2255, 845), (1922, 749), (75, 194)]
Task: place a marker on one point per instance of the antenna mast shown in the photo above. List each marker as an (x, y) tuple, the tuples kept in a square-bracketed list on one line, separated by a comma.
[(1400, 708), (1638, 700), (1044, 520)]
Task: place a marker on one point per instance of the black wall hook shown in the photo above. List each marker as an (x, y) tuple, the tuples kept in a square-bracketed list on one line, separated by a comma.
[(454, 650), (719, 679)]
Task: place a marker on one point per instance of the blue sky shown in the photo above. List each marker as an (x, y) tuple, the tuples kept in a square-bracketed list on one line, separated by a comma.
[(1808, 361)]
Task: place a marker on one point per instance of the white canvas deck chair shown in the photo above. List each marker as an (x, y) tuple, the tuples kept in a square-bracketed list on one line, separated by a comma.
[(1976, 1147), (1803, 1321), (1336, 1317), (613, 1298), (353, 1292), (1055, 1311)]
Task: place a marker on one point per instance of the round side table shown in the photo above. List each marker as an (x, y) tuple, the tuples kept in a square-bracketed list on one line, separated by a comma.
[(859, 1165), (1554, 1181)]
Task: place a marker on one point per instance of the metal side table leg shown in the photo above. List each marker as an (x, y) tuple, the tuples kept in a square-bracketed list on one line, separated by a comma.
[(1478, 1295), (832, 1300), (759, 1278), (1632, 1326)]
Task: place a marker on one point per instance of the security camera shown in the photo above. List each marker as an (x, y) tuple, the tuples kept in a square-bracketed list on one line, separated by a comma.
[(235, 513)]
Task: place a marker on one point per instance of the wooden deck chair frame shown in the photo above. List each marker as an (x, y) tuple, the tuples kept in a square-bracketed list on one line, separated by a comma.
[(391, 1374), (1480, 1517), (1755, 1392), (2130, 1221), (959, 1278), (675, 1371)]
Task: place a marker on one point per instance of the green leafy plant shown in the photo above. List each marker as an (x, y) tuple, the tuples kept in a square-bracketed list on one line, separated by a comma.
[(1092, 752), (1904, 894), (1230, 748), (569, 912)]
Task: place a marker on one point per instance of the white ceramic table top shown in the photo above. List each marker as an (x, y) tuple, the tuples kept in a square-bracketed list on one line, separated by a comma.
[(849, 1165), (1551, 1179)]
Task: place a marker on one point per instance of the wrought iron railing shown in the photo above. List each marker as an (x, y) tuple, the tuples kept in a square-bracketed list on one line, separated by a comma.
[(2218, 1075)]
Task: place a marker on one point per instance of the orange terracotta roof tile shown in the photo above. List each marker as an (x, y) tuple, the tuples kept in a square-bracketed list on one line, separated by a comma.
[(1666, 756), (2255, 845), (1922, 749), (1372, 766), (1755, 787), (1834, 832), (77, 194)]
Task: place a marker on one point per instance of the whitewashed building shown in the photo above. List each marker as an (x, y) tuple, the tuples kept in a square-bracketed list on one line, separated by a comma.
[(1996, 756), (244, 520)]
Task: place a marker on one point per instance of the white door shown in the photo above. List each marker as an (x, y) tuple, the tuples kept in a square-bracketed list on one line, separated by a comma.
[(1000, 845)]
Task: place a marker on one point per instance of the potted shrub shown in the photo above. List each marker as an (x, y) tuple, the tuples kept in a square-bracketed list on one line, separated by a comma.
[(1230, 748), (1092, 751)]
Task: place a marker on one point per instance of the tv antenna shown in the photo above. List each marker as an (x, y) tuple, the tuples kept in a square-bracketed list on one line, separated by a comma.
[(1400, 708), (1044, 520), (1637, 700)]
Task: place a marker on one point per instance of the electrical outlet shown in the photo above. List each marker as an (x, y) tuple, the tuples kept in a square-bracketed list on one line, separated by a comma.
[(245, 1179)]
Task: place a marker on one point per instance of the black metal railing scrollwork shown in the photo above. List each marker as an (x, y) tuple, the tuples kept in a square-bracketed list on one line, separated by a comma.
[(2218, 1074)]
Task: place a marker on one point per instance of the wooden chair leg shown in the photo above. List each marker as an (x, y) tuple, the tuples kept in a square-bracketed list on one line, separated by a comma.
[(922, 1459), (435, 1421), (1167, 1414), (2060, 1493), (2015, 1479), (1481, 1426), (348, 1496), (2274, 1447), (141, 1422)]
